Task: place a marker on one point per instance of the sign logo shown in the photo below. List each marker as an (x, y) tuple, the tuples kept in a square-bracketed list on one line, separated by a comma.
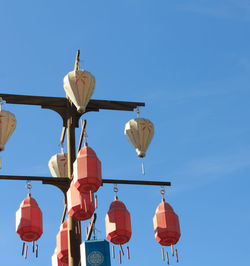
[(95, 258)]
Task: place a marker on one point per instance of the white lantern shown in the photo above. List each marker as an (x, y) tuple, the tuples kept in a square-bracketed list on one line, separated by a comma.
[(58, 165), (139, 132), (79, 86), (7, 126)]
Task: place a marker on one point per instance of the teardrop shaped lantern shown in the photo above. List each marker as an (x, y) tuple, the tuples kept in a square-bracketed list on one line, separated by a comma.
[(62, 243), (58, 165), (79, 86), (87, 170), (118, 223), (139, 132), (29, 222), (81, 206), (166, 226), (7, 127)]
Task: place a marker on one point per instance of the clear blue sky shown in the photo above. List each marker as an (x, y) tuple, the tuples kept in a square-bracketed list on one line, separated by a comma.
[(190, 62)]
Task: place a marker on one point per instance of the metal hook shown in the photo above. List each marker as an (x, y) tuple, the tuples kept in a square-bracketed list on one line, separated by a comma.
[(115, 189), (28, 186), (85, 138), (162, 191)]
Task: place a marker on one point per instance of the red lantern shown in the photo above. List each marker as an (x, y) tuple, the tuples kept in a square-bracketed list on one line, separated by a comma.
[(81, 206), (166, 225), (55, 261), (118, 223), (62, 243), (87, 170), (29, 221)]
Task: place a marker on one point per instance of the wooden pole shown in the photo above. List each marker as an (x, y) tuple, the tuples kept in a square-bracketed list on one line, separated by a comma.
[(74, 240)]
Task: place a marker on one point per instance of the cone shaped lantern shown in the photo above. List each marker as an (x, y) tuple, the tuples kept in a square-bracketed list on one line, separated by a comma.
[(79, 86), (58, 165)]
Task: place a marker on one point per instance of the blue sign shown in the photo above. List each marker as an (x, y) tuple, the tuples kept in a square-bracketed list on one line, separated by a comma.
[(95, 253)]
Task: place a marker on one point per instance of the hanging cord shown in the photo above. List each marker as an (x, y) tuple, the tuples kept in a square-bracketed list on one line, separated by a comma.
[(77, 60), (62, 146), (115, 189), (138, 112), (29, 186), (85, 138)]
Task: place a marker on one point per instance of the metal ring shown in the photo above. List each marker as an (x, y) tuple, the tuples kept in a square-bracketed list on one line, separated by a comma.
[(28, 186), (162, 191), (115, 189)]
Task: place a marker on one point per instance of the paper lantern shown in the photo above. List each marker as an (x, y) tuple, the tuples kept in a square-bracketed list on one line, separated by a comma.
[(62, 243), (7, 126), (139, 132), (87, 170), (29, 223), (58, 165), (118, 223), (79, 86), (166, 225), (81, 206)]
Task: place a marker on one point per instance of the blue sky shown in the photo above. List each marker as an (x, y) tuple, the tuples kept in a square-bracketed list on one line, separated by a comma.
[(190, 63)]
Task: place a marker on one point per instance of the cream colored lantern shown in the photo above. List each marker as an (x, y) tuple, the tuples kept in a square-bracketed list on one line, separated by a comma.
[(7, 126), (139, 132), (79, 86), (58, 165)]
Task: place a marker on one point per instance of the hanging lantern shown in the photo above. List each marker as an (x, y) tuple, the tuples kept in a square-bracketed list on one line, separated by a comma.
[(81, 206), (55, 261), (118, 224), (7, 126), (79, 86), (62, 243), (58, 165), (29, 224), (139, 132), (166, 226), (87, 170)]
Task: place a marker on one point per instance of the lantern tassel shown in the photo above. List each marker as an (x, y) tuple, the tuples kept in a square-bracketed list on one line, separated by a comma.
[(143, 168), (172, 249), (177, 258), (120, 257), (128, 252), (33, 246), (87, 230), (167, 257), (36, 251), (85, 205), (122, 250), (96, 203), (81, 203), (23, 248), (26, 252), (163, 254), (113, 252)]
